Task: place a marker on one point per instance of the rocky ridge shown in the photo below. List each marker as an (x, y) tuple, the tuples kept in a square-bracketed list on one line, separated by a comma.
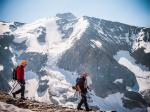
[(34, 105)]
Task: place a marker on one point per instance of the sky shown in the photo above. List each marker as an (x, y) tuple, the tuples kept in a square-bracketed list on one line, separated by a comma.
[(133, 12)]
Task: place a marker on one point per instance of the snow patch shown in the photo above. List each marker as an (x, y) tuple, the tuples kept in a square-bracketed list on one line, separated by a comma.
[(1, 67), (96, 43), (118, 81), (5, 48), (79, 28), (120, 28), (13, 58), (52, 33), (112, 102), (140, 71), (4, 27)]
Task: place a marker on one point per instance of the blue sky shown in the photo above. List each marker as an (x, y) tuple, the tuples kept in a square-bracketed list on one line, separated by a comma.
[(133, 12)]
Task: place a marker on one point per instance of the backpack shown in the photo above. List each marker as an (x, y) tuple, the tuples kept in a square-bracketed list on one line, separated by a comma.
[(77, 80), (14, 75)]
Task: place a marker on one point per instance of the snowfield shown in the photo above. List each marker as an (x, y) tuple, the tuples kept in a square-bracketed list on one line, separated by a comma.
[(141, 72)]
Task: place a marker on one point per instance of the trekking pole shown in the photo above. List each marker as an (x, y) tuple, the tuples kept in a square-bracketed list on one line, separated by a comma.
[(15, 84), (12, 87)]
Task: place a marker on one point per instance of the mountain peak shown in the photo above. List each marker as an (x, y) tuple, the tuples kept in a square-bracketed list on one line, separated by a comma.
[(69, 16)]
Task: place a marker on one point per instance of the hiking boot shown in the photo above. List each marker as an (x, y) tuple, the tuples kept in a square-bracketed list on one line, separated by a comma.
[(80, 108), (88, 109), (14, 95), (22, 98)]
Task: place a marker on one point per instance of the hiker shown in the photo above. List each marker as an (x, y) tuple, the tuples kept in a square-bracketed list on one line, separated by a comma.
[(82, 88), (20, 79)]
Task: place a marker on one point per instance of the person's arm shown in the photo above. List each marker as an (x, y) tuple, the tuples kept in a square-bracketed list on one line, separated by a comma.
[(22, 73), (78, 88)]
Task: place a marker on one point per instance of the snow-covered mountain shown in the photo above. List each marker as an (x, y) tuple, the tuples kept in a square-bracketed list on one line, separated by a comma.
[(116, 55)]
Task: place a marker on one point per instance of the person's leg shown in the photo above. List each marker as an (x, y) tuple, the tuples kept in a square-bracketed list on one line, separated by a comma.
[(22, 90), (85, 102), (19, 90), (81, 102)]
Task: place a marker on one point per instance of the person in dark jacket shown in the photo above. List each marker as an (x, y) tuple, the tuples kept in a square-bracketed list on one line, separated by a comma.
[(82, 88), (20, 79)]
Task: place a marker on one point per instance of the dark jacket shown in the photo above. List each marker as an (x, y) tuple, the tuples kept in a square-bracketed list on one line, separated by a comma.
[(81, 84)]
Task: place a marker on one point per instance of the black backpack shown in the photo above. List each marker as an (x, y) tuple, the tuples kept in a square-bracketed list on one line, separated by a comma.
[(75, 87), (14, 75), (78, 79)]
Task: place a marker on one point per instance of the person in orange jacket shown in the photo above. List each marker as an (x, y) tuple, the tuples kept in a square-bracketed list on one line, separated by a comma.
[(20, 79)]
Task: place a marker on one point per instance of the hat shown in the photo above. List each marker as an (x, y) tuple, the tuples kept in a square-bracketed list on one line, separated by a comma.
[(85, 74), (24, 62)]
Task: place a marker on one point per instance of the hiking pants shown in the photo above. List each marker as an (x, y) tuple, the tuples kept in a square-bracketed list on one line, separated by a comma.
[(22, 89), (83, 100)]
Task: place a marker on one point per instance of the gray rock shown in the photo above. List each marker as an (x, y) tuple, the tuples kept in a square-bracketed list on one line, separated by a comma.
[(5, 61), (132, 100), (54, 101), (67, 16), (42, 34), (146, 95), (43, 86)]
